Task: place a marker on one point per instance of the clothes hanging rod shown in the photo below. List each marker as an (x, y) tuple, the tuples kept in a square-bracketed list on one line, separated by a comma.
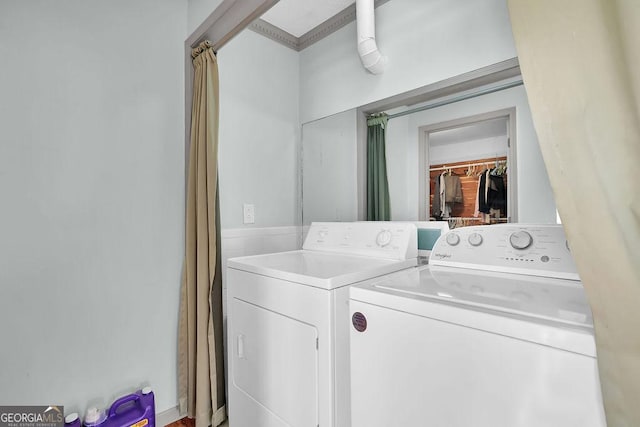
[(472, 218), (458, 99), (467, 165)]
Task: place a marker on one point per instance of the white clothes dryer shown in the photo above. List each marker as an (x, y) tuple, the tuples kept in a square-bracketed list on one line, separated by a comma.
[(497, 332), (288, 322)]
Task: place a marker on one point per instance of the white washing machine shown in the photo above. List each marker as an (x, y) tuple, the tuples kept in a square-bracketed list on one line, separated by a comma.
[(288, 322), (497, 332)]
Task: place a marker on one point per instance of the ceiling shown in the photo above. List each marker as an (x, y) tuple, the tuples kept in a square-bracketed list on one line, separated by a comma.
[(298, 17)]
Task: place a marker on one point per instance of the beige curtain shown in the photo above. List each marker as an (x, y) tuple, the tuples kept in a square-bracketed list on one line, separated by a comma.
[(580, 61), (200, 350)]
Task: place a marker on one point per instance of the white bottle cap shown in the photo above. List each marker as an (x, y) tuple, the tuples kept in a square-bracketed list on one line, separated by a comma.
[(93, 415), (146, 390), (71, 417)]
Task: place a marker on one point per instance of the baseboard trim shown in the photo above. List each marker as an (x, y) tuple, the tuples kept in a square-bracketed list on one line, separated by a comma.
[(167, 417)]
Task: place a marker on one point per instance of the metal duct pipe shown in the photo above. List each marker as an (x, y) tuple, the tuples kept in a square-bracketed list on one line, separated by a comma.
[(371, 57)]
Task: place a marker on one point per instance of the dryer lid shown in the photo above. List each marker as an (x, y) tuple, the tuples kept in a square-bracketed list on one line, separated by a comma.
[(319, 269)]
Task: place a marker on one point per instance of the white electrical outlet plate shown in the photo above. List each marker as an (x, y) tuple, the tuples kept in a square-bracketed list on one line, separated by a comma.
[(248, 213)]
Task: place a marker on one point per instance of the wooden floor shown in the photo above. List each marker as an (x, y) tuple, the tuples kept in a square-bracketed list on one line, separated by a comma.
[(185, 422), (189, 422)]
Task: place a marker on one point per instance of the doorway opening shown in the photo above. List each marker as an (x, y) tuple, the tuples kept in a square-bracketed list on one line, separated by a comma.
[(467, 170)]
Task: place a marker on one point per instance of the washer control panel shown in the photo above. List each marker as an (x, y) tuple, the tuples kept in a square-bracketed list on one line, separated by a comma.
[(539, 250), (379, 239)]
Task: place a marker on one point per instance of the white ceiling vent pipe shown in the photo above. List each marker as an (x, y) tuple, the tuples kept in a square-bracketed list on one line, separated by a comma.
[(371, 57)]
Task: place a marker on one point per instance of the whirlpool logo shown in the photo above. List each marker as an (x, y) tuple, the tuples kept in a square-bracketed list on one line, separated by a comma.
[(32, 416), (441, 256)]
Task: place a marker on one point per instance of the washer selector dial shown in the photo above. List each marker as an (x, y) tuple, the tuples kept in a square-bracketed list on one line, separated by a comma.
[(453, 239), (383, 238), (520, 239), (475, 239)]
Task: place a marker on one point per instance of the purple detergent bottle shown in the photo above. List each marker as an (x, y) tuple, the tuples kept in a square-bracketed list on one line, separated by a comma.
[(94, 417), (72, 420), (133, 410)]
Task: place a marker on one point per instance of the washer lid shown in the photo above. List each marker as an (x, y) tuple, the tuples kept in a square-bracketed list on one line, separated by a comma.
[(556, 300), (553, 312), (319, 269)]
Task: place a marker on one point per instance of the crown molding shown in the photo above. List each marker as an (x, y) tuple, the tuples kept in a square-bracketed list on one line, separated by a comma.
[(328, 27), (227, 20), (276, 34)]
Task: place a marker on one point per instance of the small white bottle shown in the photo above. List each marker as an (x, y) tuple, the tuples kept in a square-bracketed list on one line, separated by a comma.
[(94, 417), (72, 420)]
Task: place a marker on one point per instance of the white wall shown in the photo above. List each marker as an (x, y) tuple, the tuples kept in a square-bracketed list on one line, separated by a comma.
[(259, 131), (461, 151), (535, 196), (330, 191), (92, 198), (426, 41)]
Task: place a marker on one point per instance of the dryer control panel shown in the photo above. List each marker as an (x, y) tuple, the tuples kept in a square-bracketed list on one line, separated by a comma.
[(378, 239), (538, 250)]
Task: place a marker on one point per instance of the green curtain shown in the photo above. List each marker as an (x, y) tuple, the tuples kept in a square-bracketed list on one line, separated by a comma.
[(378, 205)]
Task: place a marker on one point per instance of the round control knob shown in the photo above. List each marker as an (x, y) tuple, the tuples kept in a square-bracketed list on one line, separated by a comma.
[(453, 239), (475, 239), (520, 240), (383, 238)]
